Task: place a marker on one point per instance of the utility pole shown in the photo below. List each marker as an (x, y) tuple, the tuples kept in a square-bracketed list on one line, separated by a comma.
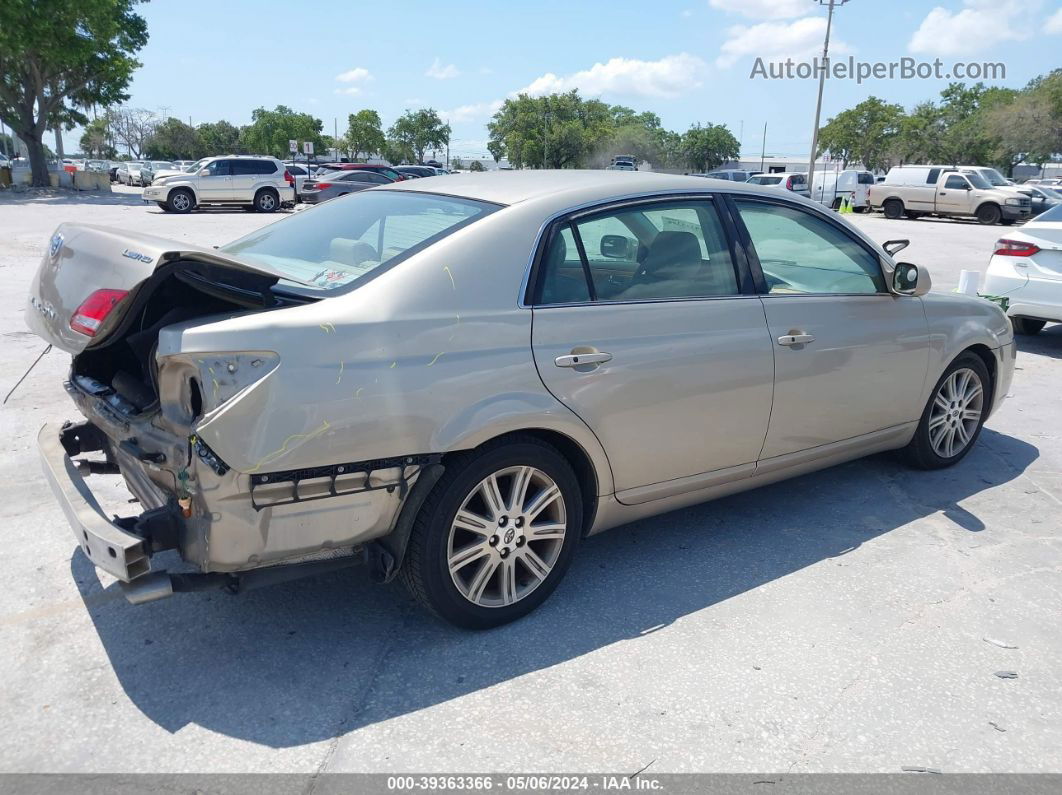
[(763, 148), (823, 67)]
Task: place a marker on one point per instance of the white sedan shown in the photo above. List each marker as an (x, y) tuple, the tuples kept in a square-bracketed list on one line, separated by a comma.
[(1026, 269)]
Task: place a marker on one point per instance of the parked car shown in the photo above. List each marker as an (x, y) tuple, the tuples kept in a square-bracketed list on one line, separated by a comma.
[(1043, 198), (995, 179), (176, 168), (97, 166), (916, 191), (731, 174), (832, 187), (387, 171), (135, 172), (250, 181), (333, 184), (458, 380), (300, 172), (417, 171), (795, 181), (1026, 269), (624, 163)]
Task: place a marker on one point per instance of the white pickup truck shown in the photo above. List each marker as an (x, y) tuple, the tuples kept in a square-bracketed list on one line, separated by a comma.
[(914, 191)]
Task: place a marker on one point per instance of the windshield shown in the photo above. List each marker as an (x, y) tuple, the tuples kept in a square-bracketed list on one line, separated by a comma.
[(978, 181), (993, 176), (336, 243), (765, 180), (197, 165), (1052, 193)]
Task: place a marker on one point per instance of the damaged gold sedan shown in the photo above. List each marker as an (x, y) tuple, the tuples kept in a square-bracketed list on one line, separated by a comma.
[(455, 379)]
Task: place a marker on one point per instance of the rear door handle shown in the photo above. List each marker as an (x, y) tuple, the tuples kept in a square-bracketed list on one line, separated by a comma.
[(795, 339), (576, 359)]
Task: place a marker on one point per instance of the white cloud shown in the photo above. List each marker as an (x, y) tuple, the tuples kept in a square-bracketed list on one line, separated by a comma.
[(441, 72), (356, 78), (799, 39), (763, 9), (477, 111), (978, 26), (669, 77), (1054, 22)]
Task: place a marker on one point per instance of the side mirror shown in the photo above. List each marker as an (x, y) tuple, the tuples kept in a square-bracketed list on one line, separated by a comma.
[(615, 247), (967, 186), (204, 172), (909, 279)]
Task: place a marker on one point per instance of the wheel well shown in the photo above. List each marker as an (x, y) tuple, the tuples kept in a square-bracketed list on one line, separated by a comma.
[(573, 453), (268, 188), (986, 356), (988, 204)]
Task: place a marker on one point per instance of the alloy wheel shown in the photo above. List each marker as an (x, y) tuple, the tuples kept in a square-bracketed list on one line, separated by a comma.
[(956, 412), (507, 536)]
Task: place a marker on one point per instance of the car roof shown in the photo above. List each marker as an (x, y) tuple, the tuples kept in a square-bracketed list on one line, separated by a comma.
[(561, 190)]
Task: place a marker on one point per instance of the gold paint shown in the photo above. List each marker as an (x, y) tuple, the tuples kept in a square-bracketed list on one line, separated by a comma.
[(452, 282), (340, 378), (433, 361), (394, 365), (271, 457), (328, 328)]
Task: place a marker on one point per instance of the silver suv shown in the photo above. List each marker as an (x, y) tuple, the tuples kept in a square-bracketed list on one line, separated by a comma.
[(261, 183)]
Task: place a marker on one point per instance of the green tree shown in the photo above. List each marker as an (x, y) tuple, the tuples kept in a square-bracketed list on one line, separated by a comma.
[(475, 165), (364, 134), (554, 131), (270, 131), (59, 57), (417, 130), (95, 140), (709, 146), (455, 162), (218, 138), (864, 134), (174, 140)]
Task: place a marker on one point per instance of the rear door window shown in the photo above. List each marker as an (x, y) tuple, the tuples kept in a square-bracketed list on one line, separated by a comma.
[(641, 252)]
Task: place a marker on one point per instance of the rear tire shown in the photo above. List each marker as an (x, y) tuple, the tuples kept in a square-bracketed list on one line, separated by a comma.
[(1027, 325), (181, 200), (266, 201), (948, 428), (487, 568), (989, 214), (893, 209)]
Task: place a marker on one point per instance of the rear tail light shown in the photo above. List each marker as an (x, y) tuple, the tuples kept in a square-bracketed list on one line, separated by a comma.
[(322, 185), (288, 178), (1015, 248), (789, 183), (88, 317)]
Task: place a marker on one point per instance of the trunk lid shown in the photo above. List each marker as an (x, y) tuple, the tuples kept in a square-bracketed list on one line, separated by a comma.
[(82, 259)]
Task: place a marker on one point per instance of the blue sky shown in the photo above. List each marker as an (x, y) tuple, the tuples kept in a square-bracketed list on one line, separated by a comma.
[(687, 61)]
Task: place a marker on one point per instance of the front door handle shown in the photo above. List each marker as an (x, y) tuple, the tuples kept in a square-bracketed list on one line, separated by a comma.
[(795, 339), (577, 359)]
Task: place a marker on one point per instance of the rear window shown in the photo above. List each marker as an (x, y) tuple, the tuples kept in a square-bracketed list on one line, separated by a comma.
[(1054, 214), (339, 242), (865, 178)]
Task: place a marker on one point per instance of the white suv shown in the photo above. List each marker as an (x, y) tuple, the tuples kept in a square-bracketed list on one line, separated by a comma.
[(258, 183)]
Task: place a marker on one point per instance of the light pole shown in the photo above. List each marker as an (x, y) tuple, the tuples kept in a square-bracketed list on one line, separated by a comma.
[(822, 79)]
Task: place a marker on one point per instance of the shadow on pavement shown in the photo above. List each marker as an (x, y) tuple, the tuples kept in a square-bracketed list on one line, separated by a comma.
[(305, 661), (1047, 343), (54, 197)]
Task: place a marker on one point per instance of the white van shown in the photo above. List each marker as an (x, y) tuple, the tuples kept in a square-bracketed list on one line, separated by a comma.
[(832, 186)]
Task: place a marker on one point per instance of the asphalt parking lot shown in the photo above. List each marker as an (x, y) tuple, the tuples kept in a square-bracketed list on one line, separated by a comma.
[(854, 620)]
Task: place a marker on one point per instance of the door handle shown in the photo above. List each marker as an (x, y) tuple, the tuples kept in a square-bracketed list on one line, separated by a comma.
[(577, 359), (795, 339)]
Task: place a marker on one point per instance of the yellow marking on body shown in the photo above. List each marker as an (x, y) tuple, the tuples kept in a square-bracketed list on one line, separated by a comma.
[(358, 392), (452, 282), (217, 386), (394, 365), (270, 457), (340, 378), (328, 328), (433, 361)]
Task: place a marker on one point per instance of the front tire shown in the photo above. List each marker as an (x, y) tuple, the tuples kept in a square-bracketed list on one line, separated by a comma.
[(989, 214), (163, 206), (1027, 325), (181, 201), (953, 418), (496, 535)]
